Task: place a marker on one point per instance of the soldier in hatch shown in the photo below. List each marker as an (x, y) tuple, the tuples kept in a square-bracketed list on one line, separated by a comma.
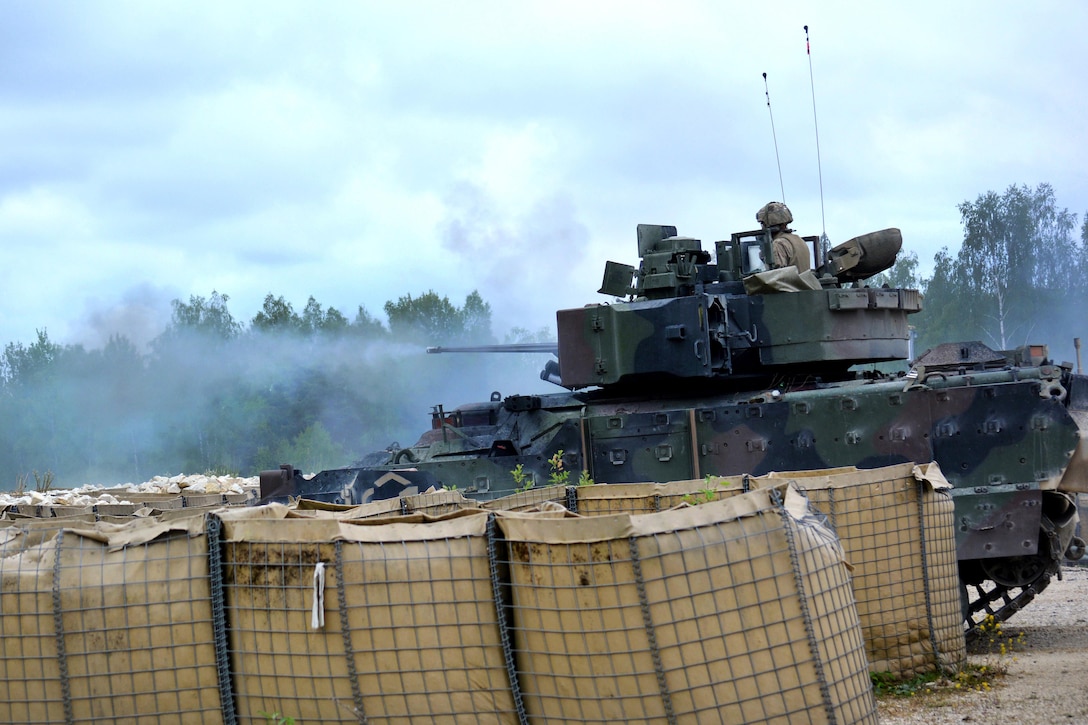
[(787, 248)]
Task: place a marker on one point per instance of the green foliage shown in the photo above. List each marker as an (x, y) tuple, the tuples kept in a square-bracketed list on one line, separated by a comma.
[(979, 677), (36, 420), (276, 315), (275, 718), (888, 684), (316, 320), (707, 494), (366, 325), (584, 479), (994, 639), (940, 318), (213, 395), (974, 677), (279, 316), (312, 450), (1017, 277), (523, 480), (558, 476), (996, 645), (476, 319), (209, 318), (902, 275), (26, 365), (434, 320)]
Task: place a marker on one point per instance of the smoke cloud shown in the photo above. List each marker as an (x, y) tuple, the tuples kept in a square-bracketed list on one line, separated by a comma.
[(186, 401), (141, 314), (526, 261)]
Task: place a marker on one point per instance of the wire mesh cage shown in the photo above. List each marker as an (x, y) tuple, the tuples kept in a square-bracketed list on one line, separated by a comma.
[(896, 525), (738, 609), (733, 611), (110, 624)]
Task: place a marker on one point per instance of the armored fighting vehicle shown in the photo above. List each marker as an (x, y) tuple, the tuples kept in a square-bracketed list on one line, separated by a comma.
[(697, 368)]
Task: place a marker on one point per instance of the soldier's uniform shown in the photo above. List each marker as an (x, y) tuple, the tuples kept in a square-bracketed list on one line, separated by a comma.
[(786, 248)]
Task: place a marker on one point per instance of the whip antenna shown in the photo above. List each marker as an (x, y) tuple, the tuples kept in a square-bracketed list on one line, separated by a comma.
[(767, 92), (819, 166)]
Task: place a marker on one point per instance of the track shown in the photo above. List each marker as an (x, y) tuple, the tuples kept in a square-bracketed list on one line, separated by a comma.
[(995, 603)]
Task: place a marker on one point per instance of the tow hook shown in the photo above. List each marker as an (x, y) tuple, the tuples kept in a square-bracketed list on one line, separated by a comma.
[(1075, 550)]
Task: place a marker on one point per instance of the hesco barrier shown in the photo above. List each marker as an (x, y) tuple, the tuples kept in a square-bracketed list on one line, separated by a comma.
[(110, 623), (409, 626), (734, 611), (433, 503), (631, 498), (738, 610), (897, 528), (896, 525)]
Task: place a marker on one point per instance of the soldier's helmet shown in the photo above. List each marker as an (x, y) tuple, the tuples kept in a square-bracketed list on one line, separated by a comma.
[(774, 213)]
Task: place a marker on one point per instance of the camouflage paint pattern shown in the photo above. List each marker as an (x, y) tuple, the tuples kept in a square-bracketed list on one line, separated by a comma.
[(999, 442), (696, 377), (706, 335)]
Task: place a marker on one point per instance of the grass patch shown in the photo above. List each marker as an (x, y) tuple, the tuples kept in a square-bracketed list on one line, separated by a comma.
[(974, 677), (888, 684), (992, 652)]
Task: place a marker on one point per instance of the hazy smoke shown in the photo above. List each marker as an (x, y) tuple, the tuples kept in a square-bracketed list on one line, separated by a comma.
[(141, 314), (522, 260), (111, 414)]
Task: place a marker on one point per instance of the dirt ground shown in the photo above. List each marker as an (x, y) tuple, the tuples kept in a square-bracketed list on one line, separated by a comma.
[(1046, 678)]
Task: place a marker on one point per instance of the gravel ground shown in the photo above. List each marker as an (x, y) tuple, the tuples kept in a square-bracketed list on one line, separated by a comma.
[(1046, 680)]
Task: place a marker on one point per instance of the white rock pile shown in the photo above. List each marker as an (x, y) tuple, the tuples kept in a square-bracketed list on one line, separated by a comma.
[(93, 493)]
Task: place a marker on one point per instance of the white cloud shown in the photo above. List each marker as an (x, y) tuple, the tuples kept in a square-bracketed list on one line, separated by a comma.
[(339, 150)]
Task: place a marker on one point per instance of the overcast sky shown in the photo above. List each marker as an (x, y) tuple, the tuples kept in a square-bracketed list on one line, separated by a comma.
[(361, 151)]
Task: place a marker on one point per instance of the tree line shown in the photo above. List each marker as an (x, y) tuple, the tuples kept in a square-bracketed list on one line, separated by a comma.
[(319, 390), (312, 388), (1020, 275)]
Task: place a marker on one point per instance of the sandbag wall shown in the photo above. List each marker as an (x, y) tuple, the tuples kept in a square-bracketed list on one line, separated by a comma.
[(738, 610), (896, 525), (431, 503), (405, 626), (735, 611), (110, 624), (897, 528), (630, 498)]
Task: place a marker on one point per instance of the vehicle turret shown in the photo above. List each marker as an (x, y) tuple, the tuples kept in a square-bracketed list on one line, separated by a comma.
[(679, 317)]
